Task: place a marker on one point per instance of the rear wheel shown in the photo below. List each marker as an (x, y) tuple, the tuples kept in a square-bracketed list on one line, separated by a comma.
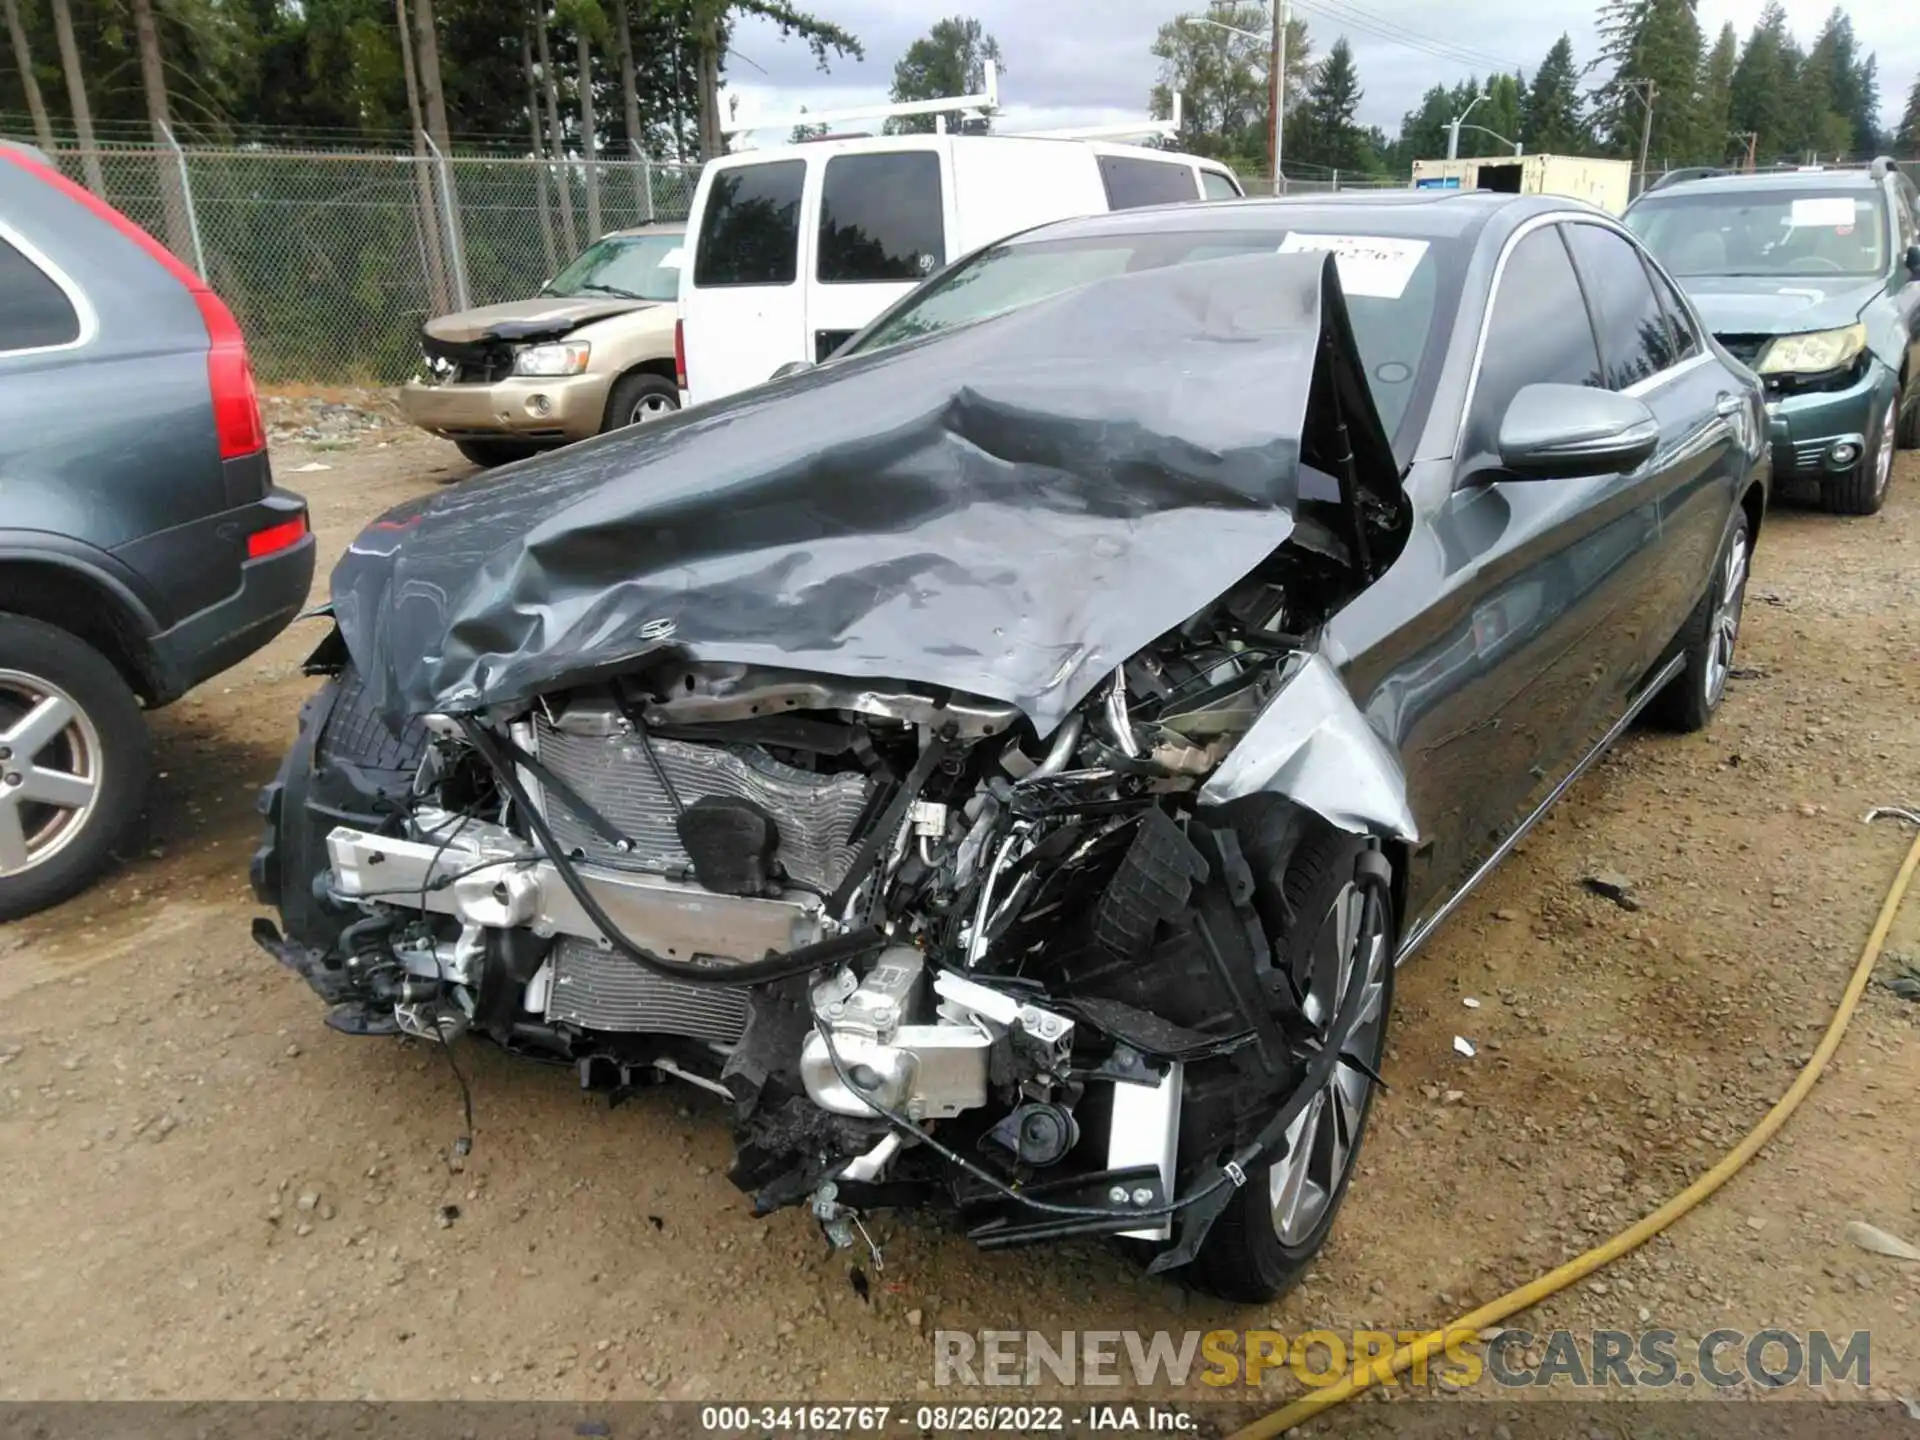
[(488, 453), (1864, 490), (1338, 950), (75, 759)]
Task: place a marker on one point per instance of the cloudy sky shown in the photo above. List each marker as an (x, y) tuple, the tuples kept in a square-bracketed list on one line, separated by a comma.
[(1086, 62)]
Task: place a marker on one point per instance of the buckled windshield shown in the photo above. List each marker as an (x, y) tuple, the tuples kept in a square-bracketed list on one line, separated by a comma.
[(1391, 304)]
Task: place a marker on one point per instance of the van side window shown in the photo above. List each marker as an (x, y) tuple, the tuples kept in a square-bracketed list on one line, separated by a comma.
[(881, 218), (750, 234), (1215, 186), (34, 312), (1131, 182)]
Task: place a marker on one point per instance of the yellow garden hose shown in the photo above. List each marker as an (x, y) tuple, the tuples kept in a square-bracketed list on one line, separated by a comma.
[(1469, 1325)]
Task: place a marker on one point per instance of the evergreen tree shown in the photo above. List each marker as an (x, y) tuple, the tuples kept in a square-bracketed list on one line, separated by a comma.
[(1550, 118), (1332, 139), (1423, 132), (1643, 41), (1829, 90), (1907, 134), (1713, 102), (1764, 95)]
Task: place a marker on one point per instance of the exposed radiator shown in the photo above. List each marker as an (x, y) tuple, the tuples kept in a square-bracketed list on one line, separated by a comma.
[(599, 989), (815, 813)]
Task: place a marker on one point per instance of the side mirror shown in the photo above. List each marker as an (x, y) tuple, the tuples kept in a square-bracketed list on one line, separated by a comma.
[(1558, 432), (792, 367), (1913, 261)]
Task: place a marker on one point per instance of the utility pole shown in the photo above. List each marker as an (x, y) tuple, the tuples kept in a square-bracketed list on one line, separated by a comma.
[(1753, 140), (1277, 88), (1646, 90)]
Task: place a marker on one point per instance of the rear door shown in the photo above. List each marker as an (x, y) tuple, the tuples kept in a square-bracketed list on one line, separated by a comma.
[(882, 218), (1651, 352), (743, 304)]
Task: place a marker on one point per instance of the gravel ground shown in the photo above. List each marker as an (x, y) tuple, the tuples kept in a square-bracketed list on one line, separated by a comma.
[(209, 1194)]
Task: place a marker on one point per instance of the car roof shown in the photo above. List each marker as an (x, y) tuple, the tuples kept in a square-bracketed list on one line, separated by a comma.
[(1767, 180), (1431, 214), (828, 147)]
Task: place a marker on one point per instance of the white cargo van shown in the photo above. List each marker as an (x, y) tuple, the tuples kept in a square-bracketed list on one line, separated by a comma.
[(792, 249)]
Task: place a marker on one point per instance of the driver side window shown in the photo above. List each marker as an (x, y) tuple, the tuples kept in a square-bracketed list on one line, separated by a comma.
[(1539, 332)]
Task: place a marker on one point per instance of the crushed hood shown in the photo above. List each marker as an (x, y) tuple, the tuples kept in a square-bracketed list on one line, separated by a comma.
[(543, 318), (1009, 509), (1779, 304)]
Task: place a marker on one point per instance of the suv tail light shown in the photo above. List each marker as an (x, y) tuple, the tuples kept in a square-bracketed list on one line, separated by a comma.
[(680, 353), (236, 403)]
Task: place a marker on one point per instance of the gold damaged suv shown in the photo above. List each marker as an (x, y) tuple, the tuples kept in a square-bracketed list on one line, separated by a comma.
[(591, 352)]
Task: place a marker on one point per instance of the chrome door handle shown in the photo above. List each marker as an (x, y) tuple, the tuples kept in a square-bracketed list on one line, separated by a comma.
[(1729, 405)]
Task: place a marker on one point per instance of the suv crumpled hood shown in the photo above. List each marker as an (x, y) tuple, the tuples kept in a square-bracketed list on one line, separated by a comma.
[(546, 317), (1010, 508), (1778, 304)]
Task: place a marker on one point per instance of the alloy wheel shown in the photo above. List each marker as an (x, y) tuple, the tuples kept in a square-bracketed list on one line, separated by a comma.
[(50, 771), (1348, 954), (1883, 448), (1723, 631), (651, 407)]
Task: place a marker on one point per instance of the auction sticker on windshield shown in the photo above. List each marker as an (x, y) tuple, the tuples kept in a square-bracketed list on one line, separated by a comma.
[(1374, 265), (1820, 211)]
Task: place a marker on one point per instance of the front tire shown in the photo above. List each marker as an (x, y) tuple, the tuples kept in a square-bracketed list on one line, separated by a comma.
[(640, 399), (1864, 490), (75, 760), (1277, 1222)]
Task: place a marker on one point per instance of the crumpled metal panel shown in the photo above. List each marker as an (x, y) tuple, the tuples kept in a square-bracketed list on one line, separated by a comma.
[(1010, 508), (1312, 745)]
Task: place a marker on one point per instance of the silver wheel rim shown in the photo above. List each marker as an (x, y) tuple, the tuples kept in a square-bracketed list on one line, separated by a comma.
[(1724, 631), (1322, 1137), (1883, 452), (651, 407), (50, 770)]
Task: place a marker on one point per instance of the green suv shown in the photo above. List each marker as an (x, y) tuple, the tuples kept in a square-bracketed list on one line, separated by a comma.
[(1811, 278)]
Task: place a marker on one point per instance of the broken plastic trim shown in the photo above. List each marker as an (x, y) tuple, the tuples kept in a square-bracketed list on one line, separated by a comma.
[(1314, 747)]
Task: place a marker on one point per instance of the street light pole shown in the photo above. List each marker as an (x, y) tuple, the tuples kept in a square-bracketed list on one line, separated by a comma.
[(1453, 129)]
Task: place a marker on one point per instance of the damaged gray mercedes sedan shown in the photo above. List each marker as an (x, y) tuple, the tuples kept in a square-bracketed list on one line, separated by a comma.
[(1007, 761)]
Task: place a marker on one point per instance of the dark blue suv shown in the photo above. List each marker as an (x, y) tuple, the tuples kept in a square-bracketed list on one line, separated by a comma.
[(143, 544)]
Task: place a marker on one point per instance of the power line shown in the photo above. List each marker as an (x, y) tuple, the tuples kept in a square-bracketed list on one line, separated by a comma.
[(1341, 13)]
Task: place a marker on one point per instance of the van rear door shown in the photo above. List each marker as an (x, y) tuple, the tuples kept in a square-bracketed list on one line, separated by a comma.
[(743, 302), (882, 227)]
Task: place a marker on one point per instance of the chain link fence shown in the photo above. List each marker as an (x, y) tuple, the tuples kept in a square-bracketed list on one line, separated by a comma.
[(332, 259)]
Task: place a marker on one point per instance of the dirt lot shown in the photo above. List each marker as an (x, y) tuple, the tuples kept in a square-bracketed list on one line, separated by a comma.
[(209, 1194)]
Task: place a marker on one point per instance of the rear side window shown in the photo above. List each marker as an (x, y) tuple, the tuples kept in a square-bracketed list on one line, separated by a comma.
[(1131, 182), (881, 218), (1686, 340), (1634, 340), (1538, 333), (1215, 186), (34, 312), (750, 233)]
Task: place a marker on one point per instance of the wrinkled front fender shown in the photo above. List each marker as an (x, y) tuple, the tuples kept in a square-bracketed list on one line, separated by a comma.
[(1313, 746)]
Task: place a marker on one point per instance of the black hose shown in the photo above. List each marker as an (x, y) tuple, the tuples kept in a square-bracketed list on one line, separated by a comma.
[(836, 951)]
